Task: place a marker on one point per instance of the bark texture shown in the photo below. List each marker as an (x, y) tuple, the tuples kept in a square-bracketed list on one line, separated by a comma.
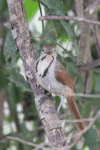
[(46, 110)]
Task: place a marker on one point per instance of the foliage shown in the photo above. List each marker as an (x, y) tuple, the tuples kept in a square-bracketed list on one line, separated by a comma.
[(19, 96)]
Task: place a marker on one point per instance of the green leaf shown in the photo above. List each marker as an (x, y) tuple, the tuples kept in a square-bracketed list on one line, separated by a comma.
[(93, 101), (98, 146), (86, 110), (90, 138), (3, 81), (57, 101), (97, 122), (47, 3), (97, 87), (9, 46), (3, 5), (38, 49), (79, 85), (67, 28), (94, 80), (31, 8), (68, 5), (80, 108), (60, 30), (19, 80), (71, 69), (49, 32), (60, 58), (55, 5), (9, 119), (11, 63)]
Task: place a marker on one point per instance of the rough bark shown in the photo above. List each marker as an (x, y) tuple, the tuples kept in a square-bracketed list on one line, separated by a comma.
[(46, 110)]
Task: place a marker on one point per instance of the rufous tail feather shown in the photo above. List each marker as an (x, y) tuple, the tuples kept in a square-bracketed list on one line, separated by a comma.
[(75, 112)]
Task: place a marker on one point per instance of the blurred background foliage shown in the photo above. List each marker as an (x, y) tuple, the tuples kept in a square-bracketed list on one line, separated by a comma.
[(18, 114)]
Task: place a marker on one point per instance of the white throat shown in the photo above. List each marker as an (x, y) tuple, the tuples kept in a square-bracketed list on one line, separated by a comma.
[(45, 65)]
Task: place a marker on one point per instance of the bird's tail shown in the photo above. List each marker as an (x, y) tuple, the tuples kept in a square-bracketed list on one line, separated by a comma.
[(75, 112)]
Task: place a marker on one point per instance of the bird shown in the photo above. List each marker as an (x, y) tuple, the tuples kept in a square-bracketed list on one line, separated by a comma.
[(53, 77)]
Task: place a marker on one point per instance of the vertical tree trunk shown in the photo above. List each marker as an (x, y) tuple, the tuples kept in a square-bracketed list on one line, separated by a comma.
[(49, 120)]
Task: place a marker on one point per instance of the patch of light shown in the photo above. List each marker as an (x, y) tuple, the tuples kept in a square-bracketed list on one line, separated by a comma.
[(5, 104), (20, 114), (64, 103), (86, 148), (68, 128), (13, 147), (13, 127), (19, 108), (74, 52), (77, 30), (68, 45), (71, 14), (21, 117), (6, 128), (29, 125), (6, 110), (21, 66), (35, 139), (34, 23), (46, 140)]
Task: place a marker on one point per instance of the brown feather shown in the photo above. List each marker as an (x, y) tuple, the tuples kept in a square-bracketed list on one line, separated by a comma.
[(65, 79), (75, 112), (62, 76)]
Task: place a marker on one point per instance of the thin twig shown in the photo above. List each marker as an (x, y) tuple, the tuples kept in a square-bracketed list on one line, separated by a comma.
[(25, 142), (41, 16), (90, 65), (75, 120), (79, 19), (87, 95), (20, 140), (80, 133)]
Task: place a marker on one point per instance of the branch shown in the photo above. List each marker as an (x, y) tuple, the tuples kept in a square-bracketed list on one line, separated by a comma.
[(79, 134), (87, 95), (93, 6), (79, 19), (96, 39), (41, 15), (89, 65), (24, 142), (84, 44), (37, 146), (45, 104)]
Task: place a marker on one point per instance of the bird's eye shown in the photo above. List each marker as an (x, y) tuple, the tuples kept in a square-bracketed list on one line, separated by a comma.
[(43, 50)]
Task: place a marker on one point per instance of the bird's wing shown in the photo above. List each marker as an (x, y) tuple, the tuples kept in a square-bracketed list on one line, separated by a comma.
[(62, 76)]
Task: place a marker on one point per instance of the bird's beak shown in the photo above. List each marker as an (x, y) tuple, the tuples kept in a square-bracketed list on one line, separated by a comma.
[(49, 52)]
